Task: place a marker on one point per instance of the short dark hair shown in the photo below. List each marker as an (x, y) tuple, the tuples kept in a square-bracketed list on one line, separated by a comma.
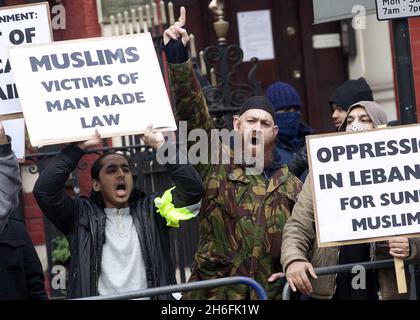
[(96, 196), (98, 164)]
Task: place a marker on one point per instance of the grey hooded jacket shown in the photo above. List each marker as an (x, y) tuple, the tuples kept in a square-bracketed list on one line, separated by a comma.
[(10, 183), (374, 110)]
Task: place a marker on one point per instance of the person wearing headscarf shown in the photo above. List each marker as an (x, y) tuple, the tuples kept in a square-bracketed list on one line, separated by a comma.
[(301, 254)]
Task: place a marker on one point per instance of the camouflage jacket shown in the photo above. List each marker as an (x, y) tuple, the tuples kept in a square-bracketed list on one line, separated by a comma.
[(242, 216)]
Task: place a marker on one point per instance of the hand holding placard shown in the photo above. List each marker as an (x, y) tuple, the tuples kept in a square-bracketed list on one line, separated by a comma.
[(153, 139), (92, 143), (399, 248)]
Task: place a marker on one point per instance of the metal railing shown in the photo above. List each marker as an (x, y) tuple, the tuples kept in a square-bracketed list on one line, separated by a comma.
[(198, 285), (371, 265)]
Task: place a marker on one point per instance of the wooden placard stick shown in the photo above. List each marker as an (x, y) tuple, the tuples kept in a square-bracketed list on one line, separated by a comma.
[(400, 274), (11, 116)]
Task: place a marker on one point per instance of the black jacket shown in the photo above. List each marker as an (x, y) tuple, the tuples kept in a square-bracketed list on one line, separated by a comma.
[(21, 275), (83, 222), (295, 156), (299, 164)]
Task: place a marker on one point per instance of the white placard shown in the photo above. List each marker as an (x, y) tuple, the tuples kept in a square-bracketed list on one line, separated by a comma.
[(16, 130), (366, 184), (256, 35), (397, 9), (68, 89), (326, 41), (18, 26)]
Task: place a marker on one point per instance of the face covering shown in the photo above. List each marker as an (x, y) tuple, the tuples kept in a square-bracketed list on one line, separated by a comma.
[(357, 126), (288, 123)]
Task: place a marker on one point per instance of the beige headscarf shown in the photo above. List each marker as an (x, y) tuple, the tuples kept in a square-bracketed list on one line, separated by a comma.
[(374, 110)]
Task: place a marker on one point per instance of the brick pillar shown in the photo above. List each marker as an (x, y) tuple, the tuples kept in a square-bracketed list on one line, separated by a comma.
[(85, 183), (34, 219), (81, 21), (414, 24)]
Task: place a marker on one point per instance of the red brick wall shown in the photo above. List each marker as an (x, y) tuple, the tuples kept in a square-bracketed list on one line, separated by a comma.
[(81, 20), (84, 175), (414, 24), (34, 219)]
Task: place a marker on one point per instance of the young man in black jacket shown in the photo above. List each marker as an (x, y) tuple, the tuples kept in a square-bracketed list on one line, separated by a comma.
[(119, 240), (21, 275)]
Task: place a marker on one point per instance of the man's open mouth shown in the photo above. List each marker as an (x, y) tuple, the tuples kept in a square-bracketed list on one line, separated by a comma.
[(121, 189), (254, 138)]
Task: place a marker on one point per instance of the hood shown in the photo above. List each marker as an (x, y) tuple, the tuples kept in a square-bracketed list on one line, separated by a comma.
[(374, 110)]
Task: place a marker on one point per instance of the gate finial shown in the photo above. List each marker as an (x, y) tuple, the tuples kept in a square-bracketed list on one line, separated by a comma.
[(220, 25)]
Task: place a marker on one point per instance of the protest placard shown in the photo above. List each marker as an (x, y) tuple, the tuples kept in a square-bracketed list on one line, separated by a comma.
[(16, 130), (366, 185), (19, 25), (68, 89)]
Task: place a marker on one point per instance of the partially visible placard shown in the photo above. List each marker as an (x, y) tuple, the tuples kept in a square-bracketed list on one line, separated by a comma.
[(16, 130), (19, 25), (256, 35), (333, 10)]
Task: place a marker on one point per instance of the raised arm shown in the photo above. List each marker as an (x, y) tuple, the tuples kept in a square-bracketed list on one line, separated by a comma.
[(190, 101), (10, 183), (49, 189), (191, 104)]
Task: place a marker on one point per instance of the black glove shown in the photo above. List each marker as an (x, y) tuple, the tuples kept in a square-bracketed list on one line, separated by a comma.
[(176, 52), (300, 162)]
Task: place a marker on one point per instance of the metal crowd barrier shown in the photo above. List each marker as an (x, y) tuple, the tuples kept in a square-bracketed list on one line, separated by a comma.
[(371, 265), (206, 284)]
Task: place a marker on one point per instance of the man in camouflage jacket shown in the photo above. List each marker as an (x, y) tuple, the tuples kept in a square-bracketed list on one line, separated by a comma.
[(242, 216)]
